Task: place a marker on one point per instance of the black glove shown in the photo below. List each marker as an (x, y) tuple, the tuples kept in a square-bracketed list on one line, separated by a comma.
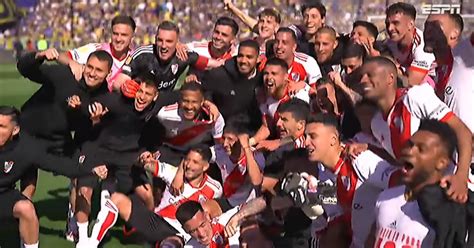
[(296, 187)]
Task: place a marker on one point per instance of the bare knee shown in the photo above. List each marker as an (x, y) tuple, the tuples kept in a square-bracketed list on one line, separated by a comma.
[(85, 192)]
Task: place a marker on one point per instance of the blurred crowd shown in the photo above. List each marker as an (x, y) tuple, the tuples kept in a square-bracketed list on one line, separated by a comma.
[(64, 24)]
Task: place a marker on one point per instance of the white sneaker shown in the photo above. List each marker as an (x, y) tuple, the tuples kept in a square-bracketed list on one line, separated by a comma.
[(85, 244)]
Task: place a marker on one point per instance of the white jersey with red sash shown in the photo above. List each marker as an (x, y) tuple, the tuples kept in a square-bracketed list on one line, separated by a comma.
[(442, 75), (237, 186), (410, 107), (203, 48), (81, 54), (413, 57), (208, 189), (304, 67), (359, 181), (180, 132), (400, 223)]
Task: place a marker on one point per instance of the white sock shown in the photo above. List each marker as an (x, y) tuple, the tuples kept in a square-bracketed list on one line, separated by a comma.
[(35, 245), (106, 219), (83, 230)]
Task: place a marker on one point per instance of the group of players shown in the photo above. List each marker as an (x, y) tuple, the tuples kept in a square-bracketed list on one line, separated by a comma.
[(299, 137)]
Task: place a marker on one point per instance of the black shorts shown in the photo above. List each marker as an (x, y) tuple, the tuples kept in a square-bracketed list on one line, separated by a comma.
[(224, 204), (152, 226), (119, 165), (8, 200)]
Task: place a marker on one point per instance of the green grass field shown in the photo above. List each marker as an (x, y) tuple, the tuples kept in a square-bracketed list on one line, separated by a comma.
[(51, 196)]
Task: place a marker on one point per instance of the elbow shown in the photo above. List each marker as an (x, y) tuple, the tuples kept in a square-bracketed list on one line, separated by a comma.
[(256, 181)]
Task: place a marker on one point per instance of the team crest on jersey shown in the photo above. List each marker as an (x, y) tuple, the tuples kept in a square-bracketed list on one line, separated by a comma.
[(7, 166), (295, 76), (82, 158), (346, 182), (174, 68), (217, 239), (202, 199)]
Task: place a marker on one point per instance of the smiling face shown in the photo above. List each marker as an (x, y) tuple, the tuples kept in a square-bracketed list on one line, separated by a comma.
[(275, 79), (247, 58), (324, 46), (285, 46), (376, 80), (95, 72), (146, 94), (166, 41), (423, 158), (398, 26), (312, 20), (222, 37), (194, 166), (122, 35), (267, 26), (190, 104), (231, 143)]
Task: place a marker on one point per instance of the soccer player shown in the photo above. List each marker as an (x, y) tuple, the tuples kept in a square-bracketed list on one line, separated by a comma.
[(425, 158), (401, 111), (123, 29), (265, 27), (222, 45), (406, 42), (442, 33), (274, 93), (160, 60), (359, 180), (325, 44), (303, 68), (20, 152), (365, 33), (155, 228), (187, 123), (118, 123)]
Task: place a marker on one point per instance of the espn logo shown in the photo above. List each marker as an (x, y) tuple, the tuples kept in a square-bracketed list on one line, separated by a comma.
[(454, 8)]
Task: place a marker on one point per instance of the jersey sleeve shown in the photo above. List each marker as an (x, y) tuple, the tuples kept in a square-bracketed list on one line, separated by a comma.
[(166, 172), (81, 54), (197, 61), (260, 159), (138, 59), (218, 129), (374, 170), (313, 70), (421, 60), (424, 104)]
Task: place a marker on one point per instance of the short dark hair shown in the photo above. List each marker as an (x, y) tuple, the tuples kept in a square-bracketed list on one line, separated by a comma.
[(250, 43), (168, 25), (270, 12), (371, 28), (446, 134), (11, 111), (277, 61), (298, 108), (384, 62), (102, 56), (315, 5), (192, 86), (145, 77), (237, 124), (187, 211), (327, 119), (288, 30), (203, 150), (403, 8), (227, 21), (124, 19), (458, 22), (353, 50)]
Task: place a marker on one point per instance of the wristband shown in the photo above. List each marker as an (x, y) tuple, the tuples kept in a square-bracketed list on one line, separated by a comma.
[(252, 141)]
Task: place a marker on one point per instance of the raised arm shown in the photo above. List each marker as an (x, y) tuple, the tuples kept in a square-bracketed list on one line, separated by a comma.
[(246, 19)]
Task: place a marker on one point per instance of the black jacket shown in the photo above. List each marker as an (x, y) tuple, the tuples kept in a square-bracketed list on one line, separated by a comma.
[(448, 218), (25, 152), (233, 93), (46, 114)]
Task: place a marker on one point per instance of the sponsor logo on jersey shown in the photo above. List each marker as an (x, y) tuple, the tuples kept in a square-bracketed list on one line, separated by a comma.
[(7, 166), (393, 225), (82, 158), (218, 239), (449, 90), (174, 68)]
